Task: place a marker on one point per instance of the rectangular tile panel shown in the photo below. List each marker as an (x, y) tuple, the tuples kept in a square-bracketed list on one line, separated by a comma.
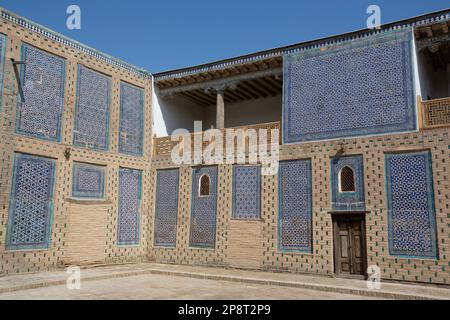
[(204, 209), (92, 109), (295, 206), (31, 203), (131, 131), (130, 191), (361, 87), (166, 207), (411, 211), (43, 80)]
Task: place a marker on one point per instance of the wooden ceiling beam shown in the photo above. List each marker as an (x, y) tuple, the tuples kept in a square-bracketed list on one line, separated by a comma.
[(204, 96), (195, 99), (267, 87), (229, 98), (233, 95), (243, 93), (256, 88), (248, 91), (252, 90), (223, 82), (239, 94), (277, 84)]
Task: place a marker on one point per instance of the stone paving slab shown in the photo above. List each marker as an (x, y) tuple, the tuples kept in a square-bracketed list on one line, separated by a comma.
[(389, 290), (162, 287)]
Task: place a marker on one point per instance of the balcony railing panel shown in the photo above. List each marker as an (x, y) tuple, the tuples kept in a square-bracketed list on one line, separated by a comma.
[(436, 113), (163, 146)]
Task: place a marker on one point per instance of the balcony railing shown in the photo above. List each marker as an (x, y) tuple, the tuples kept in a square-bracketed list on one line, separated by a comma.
[(163, 146), (436, 113)]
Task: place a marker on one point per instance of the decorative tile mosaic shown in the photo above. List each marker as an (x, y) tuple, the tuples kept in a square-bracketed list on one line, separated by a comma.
[(412, 217), (130, 191), (131, 136), (166, 213), (348, 200), (204, 210), (295, 206), (88, 181), (356, 88), (246, 192), (92, 109), (43, 80), (2, 64), (31, 203)]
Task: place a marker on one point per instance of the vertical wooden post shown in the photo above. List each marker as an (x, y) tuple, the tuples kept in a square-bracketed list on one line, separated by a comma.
[(420, 112), (220, 109)]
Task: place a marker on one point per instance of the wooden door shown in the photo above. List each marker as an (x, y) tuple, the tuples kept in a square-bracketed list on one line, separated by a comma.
[(349, 245)]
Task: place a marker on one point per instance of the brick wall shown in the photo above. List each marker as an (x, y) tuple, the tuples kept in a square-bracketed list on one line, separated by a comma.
[(63, 211), (258, 240)]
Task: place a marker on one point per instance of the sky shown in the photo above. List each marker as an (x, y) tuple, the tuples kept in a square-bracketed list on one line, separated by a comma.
[(170, 34)]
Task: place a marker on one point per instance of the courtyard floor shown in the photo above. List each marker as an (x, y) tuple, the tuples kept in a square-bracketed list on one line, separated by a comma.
[(156, 281)]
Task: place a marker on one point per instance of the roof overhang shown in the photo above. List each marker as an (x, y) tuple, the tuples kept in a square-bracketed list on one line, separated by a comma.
[(425, 27)]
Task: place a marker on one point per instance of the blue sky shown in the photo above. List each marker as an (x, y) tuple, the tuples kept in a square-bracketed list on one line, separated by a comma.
[(171, 34)]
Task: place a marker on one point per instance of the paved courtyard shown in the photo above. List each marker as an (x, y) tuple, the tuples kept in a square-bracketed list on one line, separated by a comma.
[(158, 281), (152, 286)]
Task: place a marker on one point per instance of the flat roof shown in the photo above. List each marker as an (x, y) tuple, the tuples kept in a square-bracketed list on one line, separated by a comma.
[(421, 20)]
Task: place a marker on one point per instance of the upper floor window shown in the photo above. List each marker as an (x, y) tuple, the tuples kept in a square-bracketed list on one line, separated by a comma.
[(204, 186), (346, 180)]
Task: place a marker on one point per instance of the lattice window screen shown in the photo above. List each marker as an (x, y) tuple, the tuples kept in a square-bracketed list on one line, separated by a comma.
[(131, 120), (43, 80), (92, 109), (130, 185), (412, 217), (31, 203)]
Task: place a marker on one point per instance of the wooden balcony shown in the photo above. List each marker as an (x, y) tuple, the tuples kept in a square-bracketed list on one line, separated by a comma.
[(435, 113), (163, 146)]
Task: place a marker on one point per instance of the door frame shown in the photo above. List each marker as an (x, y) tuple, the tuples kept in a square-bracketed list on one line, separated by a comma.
[(358, 216)]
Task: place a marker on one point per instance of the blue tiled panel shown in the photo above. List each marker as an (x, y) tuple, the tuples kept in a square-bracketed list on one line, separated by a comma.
[(360, 87), (2, 64), (88, 181), (246, 192), (412, 217), (31, 203), (131, 120), (348, 200), (92, 109), (203, 212), (295, 206), (42, 77), (166, 207), (130, 184)]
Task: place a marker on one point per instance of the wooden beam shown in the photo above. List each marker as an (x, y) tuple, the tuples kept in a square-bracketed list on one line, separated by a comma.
[(232, 94), (254, 88), (203, 95), (248, 91), (224, 81), (244, 94), (195, 99), (237, 93), (264, 86), (275, 83), (220, 110)]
